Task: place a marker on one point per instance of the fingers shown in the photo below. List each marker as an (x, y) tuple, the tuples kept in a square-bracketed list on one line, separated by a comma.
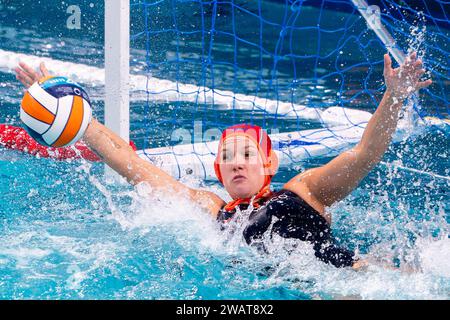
[(424, 84), (387, 64), (27, 75), (418, 63), (413, 68), (23, 77), (44, 70), (413, 56), (410, 61), (420, 73), (30, 71), (360, 264), (406, 78)]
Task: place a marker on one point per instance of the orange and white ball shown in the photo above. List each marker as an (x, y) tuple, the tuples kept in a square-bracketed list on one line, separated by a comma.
[(56, 111)]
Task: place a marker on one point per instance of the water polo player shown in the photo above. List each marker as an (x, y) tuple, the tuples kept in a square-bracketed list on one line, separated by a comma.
[(246, 163)]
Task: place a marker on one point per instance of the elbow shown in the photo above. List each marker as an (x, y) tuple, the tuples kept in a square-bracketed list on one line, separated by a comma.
[(368, 157)]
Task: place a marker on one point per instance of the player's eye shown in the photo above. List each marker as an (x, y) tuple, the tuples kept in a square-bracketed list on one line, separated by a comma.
[(227, 156)]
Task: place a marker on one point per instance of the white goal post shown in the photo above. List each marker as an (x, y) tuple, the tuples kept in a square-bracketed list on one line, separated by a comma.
[(117, 66)]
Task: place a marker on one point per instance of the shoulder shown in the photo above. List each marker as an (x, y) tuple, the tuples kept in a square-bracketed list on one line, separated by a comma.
[(299, 186), (208, 200)]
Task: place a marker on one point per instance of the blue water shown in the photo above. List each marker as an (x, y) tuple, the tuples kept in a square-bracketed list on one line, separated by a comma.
[(65, 232)]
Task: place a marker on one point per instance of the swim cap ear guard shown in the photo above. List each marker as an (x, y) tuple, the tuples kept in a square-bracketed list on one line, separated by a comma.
[(217, 169), (272, 165)]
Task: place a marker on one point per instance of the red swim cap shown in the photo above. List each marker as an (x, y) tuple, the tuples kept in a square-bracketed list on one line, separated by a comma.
[(255, 133)]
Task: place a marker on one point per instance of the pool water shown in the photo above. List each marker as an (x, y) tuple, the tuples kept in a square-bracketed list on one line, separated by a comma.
[(67, 233)]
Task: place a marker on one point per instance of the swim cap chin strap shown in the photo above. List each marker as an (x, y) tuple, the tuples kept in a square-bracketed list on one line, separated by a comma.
[(264, 193)]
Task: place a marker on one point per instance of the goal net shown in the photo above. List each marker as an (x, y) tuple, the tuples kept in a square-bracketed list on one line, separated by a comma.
[(308, 71)]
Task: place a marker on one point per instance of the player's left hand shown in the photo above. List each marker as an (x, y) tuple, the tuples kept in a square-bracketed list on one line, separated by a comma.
[(404, 80)]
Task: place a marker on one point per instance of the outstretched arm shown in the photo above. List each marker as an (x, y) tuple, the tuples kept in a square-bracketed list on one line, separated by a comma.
[(121, 157), (115, 152), (335, 180)]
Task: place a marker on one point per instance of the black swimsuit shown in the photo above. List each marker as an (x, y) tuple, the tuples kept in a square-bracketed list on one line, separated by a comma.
[(296, 219)]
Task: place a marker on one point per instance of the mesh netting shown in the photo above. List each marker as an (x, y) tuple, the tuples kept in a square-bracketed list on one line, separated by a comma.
[(310, 72)]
